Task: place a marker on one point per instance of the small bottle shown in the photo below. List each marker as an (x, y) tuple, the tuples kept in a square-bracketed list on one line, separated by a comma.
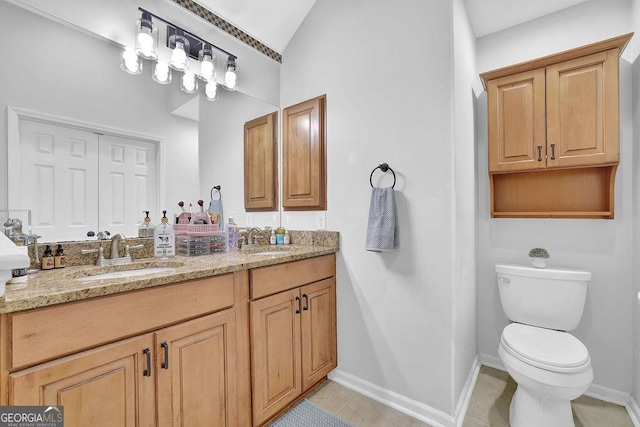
[(232, 236), (287, 238), (272, 238), (146, 229), (47, 259), (60, 259), (164, 242)]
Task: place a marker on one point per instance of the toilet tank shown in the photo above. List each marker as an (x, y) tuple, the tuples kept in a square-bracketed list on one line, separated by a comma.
[(547, 297)]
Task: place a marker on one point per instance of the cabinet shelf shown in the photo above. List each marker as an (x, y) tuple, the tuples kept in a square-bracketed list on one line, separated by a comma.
[(564, 193)]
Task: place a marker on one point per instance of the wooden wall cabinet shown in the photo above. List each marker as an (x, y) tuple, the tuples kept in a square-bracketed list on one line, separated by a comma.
[(304, 156), (293, 332), (261, 164), (183, 374), (553, 130)]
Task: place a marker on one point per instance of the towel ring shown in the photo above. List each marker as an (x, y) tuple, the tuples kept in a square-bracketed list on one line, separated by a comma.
[(216, 187), (384, 167)]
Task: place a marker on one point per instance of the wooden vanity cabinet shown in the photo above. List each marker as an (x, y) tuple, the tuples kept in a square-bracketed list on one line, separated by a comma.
[(304, 169), (293, 332), (191, 372), (553, 133), (261, 164)]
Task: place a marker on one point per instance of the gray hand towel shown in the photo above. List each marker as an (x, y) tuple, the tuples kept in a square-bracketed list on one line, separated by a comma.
[(382, 230)]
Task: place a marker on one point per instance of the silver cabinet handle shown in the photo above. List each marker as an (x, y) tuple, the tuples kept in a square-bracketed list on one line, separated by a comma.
[(553, 151), (539, 153)]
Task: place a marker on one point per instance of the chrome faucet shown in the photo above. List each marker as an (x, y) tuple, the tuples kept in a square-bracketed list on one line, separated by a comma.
[(249, 238), (115, 242)]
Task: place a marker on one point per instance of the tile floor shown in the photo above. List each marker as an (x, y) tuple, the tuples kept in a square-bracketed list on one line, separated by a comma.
[(489, 406)]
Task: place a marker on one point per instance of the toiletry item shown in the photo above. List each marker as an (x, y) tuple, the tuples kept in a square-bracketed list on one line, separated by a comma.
[(164, 242), (201, 217), (287, 237), (232, 236), (146, 229), (184, 217), (19, 275), (280, 236), (47, 259), (272, 238), (60, 259)]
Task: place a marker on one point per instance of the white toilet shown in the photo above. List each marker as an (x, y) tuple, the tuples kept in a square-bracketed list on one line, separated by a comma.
[(550, 366)]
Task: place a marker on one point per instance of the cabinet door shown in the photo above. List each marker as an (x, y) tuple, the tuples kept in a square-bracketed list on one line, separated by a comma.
[(516, 111), (108, 386), (275, 353), (582, 111), (197, 372), (303, 156), (319, 349), (261, 164)]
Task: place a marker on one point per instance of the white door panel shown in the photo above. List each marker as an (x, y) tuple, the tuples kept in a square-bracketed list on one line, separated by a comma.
[(58, 180)]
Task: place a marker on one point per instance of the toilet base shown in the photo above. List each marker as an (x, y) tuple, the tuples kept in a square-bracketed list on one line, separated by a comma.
[(528, 410)]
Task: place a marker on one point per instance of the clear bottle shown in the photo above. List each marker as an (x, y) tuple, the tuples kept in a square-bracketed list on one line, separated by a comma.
[(232, 236), (272, 238), (287, 238), (164, 239), (146, 229)]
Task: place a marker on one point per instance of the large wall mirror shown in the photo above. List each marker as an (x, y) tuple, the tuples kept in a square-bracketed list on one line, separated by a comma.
[(127, 143)]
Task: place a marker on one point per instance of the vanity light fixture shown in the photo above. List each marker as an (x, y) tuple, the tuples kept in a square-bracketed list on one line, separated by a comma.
[(183, 47), (230, 77), (146, 37)]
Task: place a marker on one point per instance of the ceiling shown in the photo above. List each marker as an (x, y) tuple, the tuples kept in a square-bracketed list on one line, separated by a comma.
[(274, 22)]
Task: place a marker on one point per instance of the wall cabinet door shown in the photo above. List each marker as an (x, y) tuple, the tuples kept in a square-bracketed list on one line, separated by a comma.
[(582, 111), (516, 110), (108, 386), (275, 353), (261, 164), (196, 372), (303, 151), (318, 329)]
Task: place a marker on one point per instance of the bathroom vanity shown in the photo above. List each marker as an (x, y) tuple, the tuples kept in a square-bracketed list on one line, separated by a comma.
[(231, 339)]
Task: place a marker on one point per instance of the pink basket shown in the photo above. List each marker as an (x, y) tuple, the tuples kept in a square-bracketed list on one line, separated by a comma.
[(180, 229), (201, 229)]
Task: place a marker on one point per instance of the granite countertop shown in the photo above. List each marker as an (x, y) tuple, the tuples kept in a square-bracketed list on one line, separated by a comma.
[(57, 286)]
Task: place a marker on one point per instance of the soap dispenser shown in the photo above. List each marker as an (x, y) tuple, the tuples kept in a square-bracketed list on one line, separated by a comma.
[(48, 261), (164, 239), (146, 229)]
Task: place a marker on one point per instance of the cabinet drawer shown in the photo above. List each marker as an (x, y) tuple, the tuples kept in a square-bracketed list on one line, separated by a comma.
[(48, 333), (276, 278)]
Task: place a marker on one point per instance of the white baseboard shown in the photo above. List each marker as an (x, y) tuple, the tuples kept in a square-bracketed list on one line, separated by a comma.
[(634, 411), (409, 406), (394, 400), (596, 391)]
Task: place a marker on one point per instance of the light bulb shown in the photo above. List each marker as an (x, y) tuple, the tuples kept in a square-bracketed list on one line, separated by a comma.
[(130, 62), (145, 42), (206, 69), (179, 57), (230, 79), (189, 82), (162, 73), (211, 91)]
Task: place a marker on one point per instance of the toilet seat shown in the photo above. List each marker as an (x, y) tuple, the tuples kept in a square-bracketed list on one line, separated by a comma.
[(546, 349)]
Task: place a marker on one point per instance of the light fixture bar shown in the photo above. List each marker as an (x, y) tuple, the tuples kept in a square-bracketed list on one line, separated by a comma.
[(189, 34)]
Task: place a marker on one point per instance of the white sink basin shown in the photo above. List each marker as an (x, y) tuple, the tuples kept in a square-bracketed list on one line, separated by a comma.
[(128, 273)]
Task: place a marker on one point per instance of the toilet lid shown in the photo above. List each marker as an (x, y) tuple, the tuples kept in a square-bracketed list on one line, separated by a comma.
[(545, 346)]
